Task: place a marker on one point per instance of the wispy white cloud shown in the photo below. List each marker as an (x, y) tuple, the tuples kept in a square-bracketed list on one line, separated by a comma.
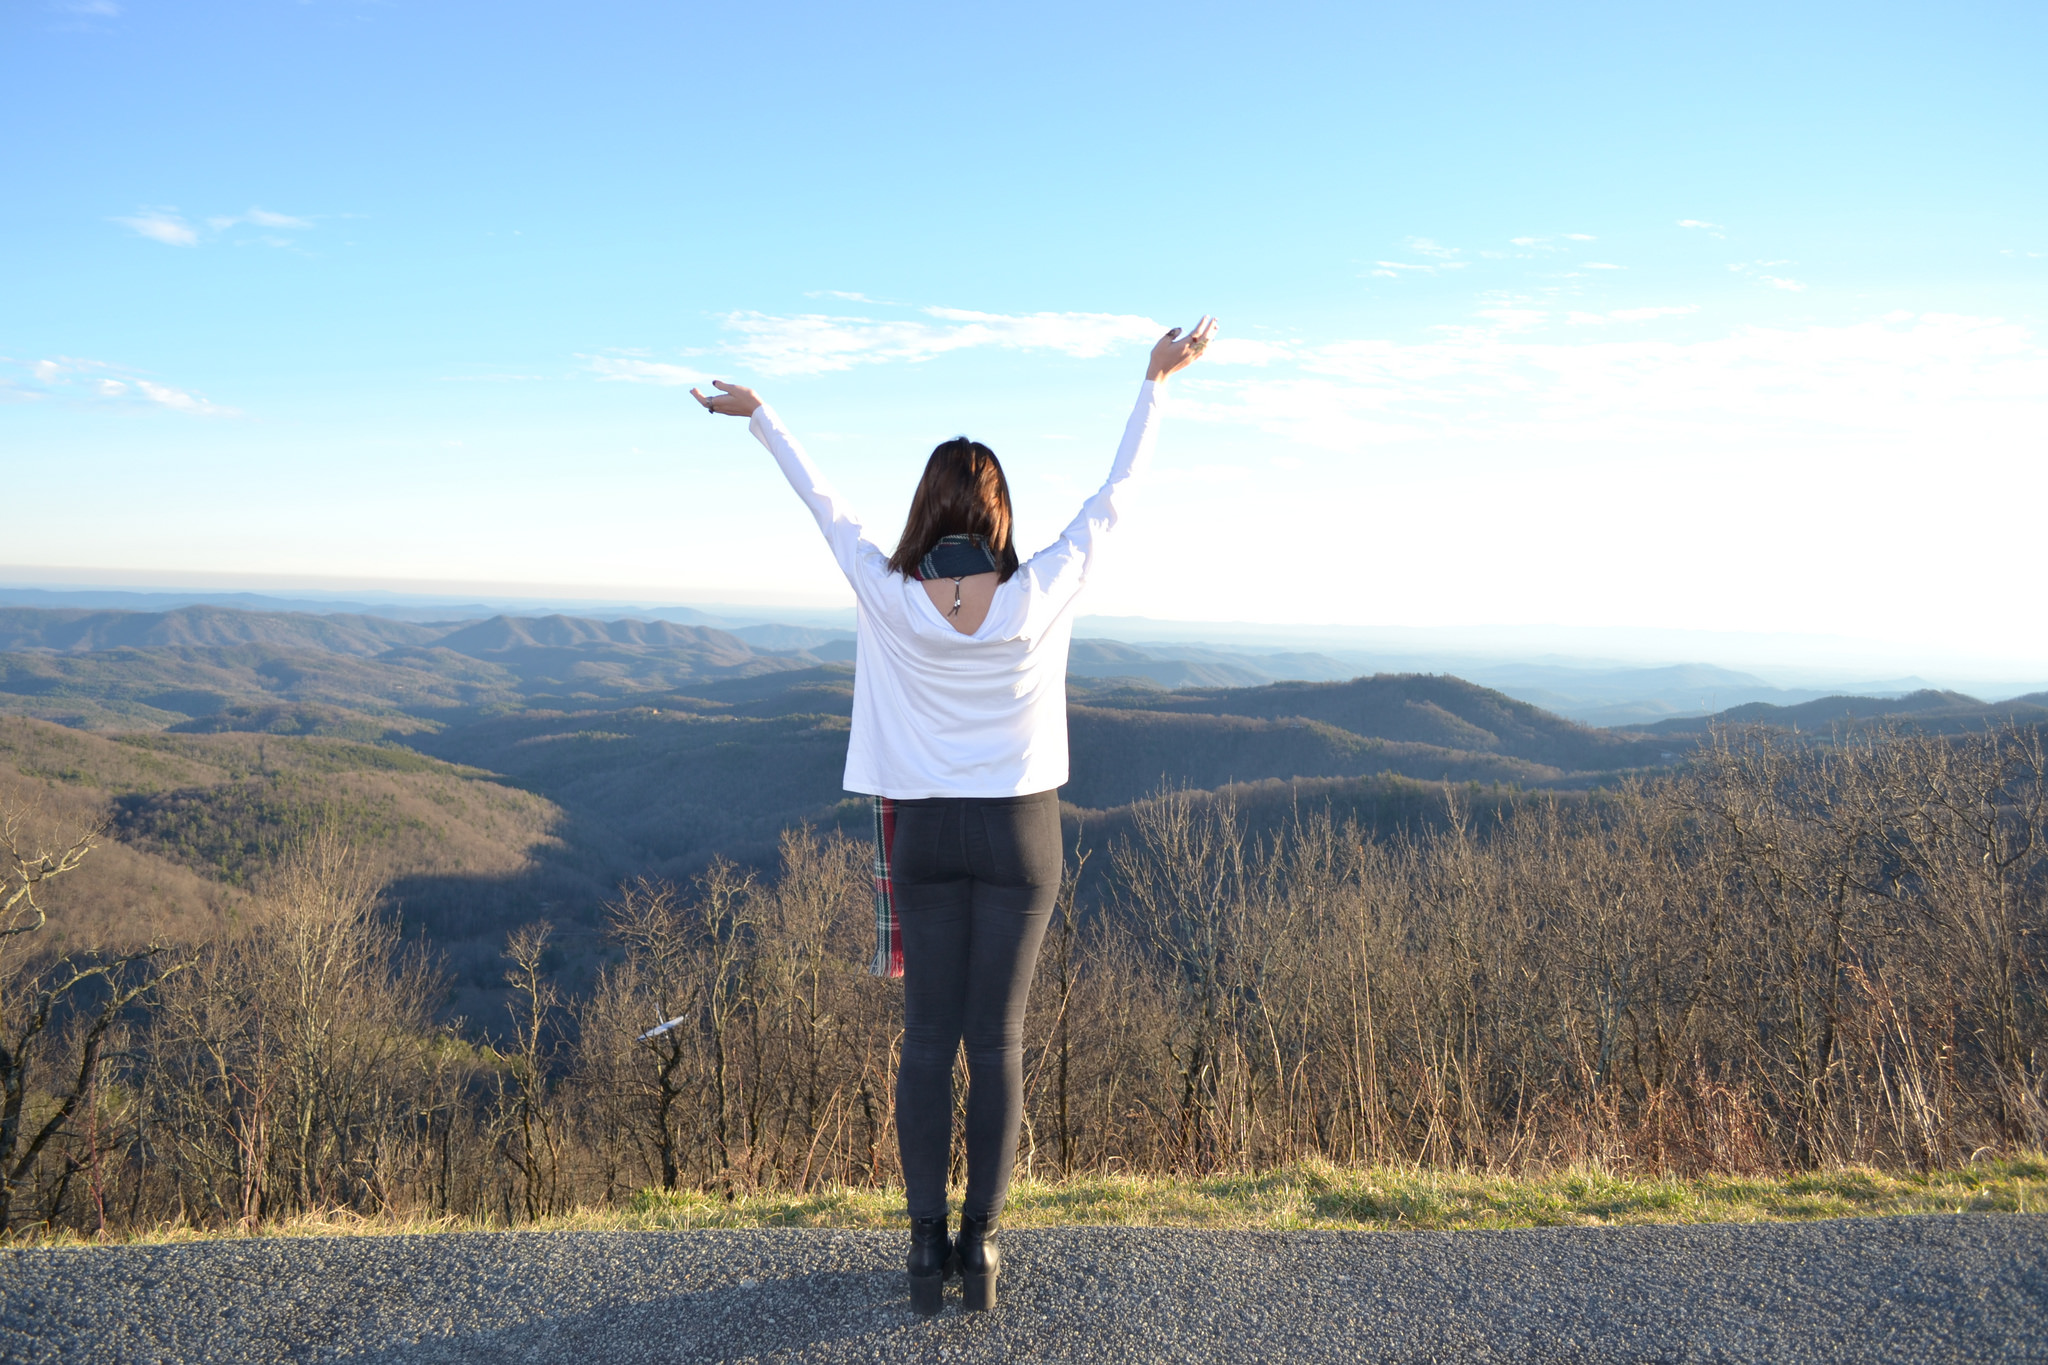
[(636, 369), (162, 225), (1896, 377), (1441, 257), (170, 227), (1774, 281), (1504, 315), (265, 218), (1633, 314), (2024, 255), (1602, 265), (178, 399), (1701, 225), (1550, 243), (258, 217), (96, 381), (1228, 350), (817, 343), (813, 343)]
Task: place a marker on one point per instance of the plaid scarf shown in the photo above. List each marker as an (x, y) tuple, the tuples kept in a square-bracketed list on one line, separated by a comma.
[(888, 959)]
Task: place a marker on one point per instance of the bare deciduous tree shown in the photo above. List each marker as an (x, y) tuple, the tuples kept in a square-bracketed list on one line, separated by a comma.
[(1795, 952), (46, 1070)]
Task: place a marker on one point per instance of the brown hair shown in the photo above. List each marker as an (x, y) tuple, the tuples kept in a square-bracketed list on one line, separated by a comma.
[(963, 492)]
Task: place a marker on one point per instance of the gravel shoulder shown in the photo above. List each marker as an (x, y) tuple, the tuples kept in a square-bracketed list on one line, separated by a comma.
[(1971, 1287)]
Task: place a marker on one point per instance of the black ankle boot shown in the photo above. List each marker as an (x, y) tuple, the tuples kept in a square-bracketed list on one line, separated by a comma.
[(932, 1259), (979, 1261)]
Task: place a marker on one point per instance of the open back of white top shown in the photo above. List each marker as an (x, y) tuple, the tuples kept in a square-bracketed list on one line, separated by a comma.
[(941, 713)]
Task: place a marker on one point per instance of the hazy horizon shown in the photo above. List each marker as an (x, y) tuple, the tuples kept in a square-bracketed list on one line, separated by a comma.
[(1788, 659)]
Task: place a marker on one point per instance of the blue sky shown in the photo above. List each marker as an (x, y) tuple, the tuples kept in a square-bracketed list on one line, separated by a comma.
[(1710, 317)]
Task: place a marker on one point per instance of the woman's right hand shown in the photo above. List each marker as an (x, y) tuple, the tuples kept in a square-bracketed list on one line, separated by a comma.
[(1173, 352), (731, 399)]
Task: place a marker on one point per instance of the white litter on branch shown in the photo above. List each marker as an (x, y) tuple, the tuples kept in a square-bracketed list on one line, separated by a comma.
[(660, 1029)]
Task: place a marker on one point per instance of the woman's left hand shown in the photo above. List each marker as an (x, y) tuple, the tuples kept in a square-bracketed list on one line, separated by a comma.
[(731, 399), (1173, 352)]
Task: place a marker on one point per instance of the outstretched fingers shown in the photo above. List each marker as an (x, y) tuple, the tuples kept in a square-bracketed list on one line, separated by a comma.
[(731, 400), (710, 400)]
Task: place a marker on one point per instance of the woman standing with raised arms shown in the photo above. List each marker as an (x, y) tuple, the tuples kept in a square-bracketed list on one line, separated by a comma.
[(960, 721)]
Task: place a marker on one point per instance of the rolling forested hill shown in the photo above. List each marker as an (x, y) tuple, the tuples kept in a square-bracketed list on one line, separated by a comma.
[(1427, 709), (508, 768), (194, 820)]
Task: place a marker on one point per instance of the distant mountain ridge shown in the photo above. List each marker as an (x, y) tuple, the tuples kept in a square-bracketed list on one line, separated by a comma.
[(402, 607), (1564, 674), (1422, 709), (338, 674), (499, 634), (1928, 709), (78, 630)]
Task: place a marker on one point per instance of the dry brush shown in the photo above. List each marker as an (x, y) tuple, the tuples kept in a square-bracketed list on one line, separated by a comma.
[(1790, 955)]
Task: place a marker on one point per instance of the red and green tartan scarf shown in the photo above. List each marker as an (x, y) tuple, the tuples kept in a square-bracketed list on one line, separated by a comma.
[(888, 960)]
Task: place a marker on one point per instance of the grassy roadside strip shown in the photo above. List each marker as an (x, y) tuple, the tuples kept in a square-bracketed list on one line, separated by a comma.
[(1306, 1195)]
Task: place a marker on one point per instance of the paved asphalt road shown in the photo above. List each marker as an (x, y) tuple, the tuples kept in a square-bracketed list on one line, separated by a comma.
[(1972, 1287)]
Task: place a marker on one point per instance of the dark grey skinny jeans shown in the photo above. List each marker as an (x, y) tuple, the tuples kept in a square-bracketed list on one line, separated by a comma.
[(975, 881)]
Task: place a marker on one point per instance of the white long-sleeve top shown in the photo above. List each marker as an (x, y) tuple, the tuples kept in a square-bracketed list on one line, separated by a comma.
[(941, 713)]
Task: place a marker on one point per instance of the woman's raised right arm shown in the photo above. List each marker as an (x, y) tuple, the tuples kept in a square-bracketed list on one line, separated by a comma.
[(843, 531)]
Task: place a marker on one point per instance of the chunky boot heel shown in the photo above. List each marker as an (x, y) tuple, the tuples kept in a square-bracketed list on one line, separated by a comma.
[(931, 1259), (927, 1294), (979, 1262)]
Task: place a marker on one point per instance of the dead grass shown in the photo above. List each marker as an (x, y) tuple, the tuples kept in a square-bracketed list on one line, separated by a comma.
[(1307, 1195)]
